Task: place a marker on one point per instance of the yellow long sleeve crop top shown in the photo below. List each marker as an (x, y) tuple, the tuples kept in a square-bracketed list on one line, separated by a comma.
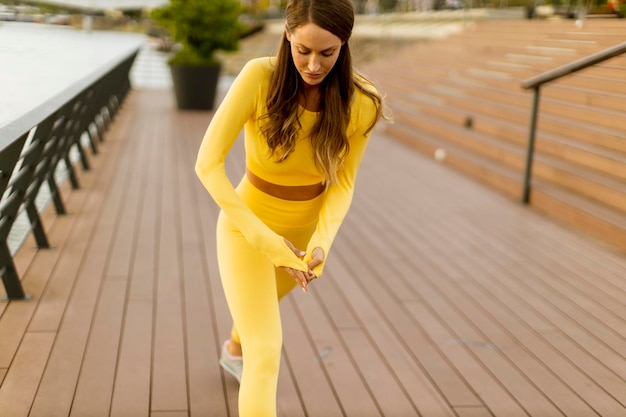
[(241, 108)]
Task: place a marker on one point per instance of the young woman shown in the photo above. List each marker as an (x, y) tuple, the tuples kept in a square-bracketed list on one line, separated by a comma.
[(307, 117)]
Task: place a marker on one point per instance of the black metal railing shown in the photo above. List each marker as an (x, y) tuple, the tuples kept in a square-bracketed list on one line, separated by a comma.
[(36, 146), (537, 81)]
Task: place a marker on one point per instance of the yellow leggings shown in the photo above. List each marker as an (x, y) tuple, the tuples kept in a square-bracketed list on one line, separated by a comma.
[(253, 287)]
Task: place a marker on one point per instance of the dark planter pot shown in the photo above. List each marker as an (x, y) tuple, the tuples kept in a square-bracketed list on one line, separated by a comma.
[(195, 87)]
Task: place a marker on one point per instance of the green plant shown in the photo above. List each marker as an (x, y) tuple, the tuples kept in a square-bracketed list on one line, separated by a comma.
[(200, 27)]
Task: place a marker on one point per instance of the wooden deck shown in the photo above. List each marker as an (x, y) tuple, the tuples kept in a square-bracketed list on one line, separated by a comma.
[(441, 297)]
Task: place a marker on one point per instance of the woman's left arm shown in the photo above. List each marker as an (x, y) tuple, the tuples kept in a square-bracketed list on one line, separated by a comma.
[(339, 195)]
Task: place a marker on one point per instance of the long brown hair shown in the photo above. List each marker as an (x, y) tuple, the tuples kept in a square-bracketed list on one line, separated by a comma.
[(329, 134)]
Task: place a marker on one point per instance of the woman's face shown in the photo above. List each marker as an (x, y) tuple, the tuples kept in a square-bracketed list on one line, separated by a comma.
[(314, 51)]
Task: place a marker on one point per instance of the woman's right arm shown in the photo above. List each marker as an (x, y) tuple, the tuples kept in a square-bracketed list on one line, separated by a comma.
[(234, 111)]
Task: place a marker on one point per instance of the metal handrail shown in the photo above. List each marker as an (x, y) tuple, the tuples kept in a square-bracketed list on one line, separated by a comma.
[(537, 81), (33, 146)]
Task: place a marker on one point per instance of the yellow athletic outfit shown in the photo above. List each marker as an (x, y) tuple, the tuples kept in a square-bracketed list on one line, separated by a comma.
[(252, 225)]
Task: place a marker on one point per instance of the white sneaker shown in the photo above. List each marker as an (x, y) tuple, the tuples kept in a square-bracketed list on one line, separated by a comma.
[(231, 364)]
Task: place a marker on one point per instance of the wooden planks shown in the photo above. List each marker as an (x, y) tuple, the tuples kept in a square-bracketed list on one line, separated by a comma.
[(451, 238), (22, 379), (440, 298)]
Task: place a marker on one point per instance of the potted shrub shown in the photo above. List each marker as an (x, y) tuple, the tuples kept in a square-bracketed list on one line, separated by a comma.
[(199, 28)]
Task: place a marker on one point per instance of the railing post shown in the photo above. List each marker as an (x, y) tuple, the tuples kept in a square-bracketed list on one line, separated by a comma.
[(531, 146), (546, 77), (10, 278)]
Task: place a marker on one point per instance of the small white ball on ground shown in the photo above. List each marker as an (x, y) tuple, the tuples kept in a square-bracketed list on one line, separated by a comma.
[(440, 155)]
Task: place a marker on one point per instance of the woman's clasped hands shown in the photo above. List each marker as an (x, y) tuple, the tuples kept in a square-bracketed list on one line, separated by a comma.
[(304, 277)]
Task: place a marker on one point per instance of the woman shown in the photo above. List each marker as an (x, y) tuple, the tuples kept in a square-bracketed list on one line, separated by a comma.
[(307, 118)]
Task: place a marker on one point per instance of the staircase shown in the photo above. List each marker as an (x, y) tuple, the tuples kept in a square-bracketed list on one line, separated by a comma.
[(462, 94)]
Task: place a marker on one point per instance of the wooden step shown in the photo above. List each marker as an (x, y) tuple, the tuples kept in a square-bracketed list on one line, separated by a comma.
[(592, 218), (606, 191), (598, 117), (589, 80), (584, 96), (596, 159), (606, 137)]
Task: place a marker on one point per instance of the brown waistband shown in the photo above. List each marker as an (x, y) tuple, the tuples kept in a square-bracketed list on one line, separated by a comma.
[(286, 192)]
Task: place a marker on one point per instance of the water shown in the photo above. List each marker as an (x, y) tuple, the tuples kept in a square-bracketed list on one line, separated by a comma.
[(39, 61)]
